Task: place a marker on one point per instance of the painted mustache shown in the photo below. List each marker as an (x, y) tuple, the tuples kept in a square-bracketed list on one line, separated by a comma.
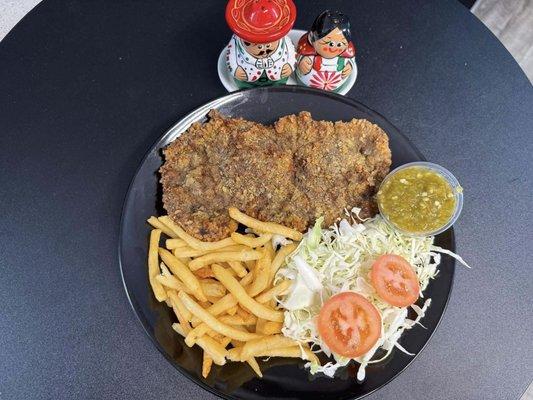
[(263, 52)]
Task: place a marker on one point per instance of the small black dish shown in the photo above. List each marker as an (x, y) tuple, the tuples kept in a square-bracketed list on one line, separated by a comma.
[(283, 378)]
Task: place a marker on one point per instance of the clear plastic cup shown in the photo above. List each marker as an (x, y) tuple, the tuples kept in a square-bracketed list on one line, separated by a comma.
[(450, 178)]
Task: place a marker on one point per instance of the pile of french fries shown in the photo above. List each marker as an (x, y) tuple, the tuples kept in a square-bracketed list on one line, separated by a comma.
[(223, 292)]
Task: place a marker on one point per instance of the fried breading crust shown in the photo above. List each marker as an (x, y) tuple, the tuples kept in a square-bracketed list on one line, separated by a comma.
[(290, 173)]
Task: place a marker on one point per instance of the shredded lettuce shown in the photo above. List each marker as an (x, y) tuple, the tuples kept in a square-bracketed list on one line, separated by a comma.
[(338, 259)]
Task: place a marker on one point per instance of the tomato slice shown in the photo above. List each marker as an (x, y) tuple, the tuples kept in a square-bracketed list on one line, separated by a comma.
[(349, 324), (395, 280)]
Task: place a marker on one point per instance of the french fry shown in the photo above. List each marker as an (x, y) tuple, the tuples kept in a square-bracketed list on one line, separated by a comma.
[(162, 227), (183, 273), (207, 362), (176, 302), (268, 227), (238, 268), (153, 268), (254, 348), (237, 320), (280, 257), (215, 350), (212, 288), (247, 279), (251, 241), (217, 257), (232, 310), (250, 264), (192, 241), (182, 319), (234, 354), (171, 282), (255, 366), (279, 289), (172, 244), (243, 298), (195, 333), (292, 352), (260, 325), (261, 274), (225, 303), (212, 321), (177, 327), (241, 312), (190, 252), (184, 260), (205, 272), (271, 328)]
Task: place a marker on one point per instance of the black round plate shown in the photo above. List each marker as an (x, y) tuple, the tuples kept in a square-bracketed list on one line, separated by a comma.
[(283, 378)]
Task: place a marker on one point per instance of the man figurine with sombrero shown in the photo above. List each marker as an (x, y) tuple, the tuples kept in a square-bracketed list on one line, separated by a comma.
[(260, 53)]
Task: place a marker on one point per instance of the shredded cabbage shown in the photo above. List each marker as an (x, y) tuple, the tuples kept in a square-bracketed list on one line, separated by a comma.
[(338, 259)]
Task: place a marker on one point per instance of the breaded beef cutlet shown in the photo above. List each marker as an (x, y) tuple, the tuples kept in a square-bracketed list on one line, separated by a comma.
[(291, 173)]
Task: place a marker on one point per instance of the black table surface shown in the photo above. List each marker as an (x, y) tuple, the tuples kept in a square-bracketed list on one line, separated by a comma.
[(87, 86)]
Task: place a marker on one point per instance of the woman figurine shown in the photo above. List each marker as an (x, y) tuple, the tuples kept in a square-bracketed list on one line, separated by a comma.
[(325, 55), (260, 53)]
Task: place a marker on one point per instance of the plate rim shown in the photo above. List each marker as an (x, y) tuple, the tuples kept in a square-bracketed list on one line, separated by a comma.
[(204, 108)]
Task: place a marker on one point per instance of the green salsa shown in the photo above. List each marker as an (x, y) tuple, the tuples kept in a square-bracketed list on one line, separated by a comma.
[(417, 200)]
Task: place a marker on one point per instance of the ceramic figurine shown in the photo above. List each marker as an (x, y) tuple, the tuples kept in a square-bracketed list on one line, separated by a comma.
[(260, 53), (325, 54)]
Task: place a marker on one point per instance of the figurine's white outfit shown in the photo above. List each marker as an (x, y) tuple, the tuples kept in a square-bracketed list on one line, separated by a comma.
[(236, 55)]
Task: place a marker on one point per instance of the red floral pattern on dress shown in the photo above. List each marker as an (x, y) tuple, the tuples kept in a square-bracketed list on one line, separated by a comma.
[(326, 80)]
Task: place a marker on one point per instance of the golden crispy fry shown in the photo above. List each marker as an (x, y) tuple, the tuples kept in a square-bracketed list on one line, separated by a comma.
[(207, 362), (280, 257), (260, 325), (190, 252), (241, 312), (182, 317), (212, 288), (251, 241), (177, 327), (271, 328), (184, 260), (225, 303), (268, 227), (292, 351), (215, 350), (176, 303), (171, 282), (255, 366), (172, 244), (191, 241), (183, 273), (247, 279), (243, 298), (232, 310), (256, 347), (162, 227), (234, 354), (237, 320), (195, 333), (261, 274), (212, 300), (238, 268), (212, 321), (205, 272), (153, 269), (217, 257), (279, 289)]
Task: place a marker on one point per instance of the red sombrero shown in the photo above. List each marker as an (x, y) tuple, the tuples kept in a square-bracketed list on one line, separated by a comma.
[(260, 21)]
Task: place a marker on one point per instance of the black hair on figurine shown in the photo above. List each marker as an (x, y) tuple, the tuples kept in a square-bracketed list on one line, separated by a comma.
[(328, 21)]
